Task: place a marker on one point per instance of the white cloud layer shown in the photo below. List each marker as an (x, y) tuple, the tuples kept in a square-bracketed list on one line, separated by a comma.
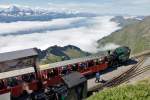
[(36, 26), (81, 31)]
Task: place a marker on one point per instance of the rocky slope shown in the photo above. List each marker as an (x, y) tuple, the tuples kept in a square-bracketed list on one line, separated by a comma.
[(127, 20), (136, 36)]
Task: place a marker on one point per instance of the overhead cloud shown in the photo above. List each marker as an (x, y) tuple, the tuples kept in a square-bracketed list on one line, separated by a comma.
[(82, 32), (114, 7)]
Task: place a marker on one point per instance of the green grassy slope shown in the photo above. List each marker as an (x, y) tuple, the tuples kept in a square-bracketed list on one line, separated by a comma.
[(139, 91), (51, 59), (136, 36), (57, 53), (73, 53)]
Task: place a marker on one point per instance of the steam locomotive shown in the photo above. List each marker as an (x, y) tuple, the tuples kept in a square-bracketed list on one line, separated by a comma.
[(15, 80), (119, 56)]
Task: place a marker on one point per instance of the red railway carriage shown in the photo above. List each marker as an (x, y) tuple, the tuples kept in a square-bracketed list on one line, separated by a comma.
[(53, 72), (19, 70), (16, 68), (11, 81)]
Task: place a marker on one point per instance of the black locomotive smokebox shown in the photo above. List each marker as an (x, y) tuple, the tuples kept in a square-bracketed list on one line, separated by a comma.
[(77, 86)]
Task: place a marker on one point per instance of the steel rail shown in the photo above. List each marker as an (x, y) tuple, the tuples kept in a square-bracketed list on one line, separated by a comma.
[(119, 79)]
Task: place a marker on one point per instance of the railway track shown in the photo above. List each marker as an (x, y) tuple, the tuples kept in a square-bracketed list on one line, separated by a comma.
[(134, 71), (117, 80), (137, 70)]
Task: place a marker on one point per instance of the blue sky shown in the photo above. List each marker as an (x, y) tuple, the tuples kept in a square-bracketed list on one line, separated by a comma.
[(131, 7)]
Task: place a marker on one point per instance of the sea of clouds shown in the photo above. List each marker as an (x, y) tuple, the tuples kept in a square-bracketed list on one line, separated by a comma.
[(82, 32)]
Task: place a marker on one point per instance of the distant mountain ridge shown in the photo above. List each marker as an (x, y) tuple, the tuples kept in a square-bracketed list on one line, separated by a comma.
[(127, 20), (17, 13), (22, 13), (57, 53)]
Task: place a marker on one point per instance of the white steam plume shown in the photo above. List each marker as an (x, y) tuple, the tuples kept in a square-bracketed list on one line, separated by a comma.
[(108, 46)]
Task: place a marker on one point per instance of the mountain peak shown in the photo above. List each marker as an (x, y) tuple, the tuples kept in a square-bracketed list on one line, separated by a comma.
[(13, 8), (58, 53), (17, 10)]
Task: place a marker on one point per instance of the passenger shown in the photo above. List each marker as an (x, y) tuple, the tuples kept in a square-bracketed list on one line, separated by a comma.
[(32, 77), (85, 65), (52, 73), (51, 94), (97, 77), (24, 96), (59, 96), (15, 81), (39, 94), (99, 61), (96, 61), (2, 85), (91, 63), (105, 59), (109, 52), (74, 67), (81, 66), (26, 78), (55, 72), (69, 68), (49, 75), (64, 70), (11, 82), (19, 79)]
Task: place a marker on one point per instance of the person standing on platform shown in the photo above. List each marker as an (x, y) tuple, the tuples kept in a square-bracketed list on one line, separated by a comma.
[(97, 77)]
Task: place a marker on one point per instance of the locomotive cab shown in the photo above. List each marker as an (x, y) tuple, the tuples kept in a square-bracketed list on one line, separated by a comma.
[(119, 56), (122, 54)]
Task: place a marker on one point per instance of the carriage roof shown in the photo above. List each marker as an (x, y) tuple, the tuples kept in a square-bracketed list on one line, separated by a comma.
[(18, 72), (17, 54), (14, 55), (72, 61)]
